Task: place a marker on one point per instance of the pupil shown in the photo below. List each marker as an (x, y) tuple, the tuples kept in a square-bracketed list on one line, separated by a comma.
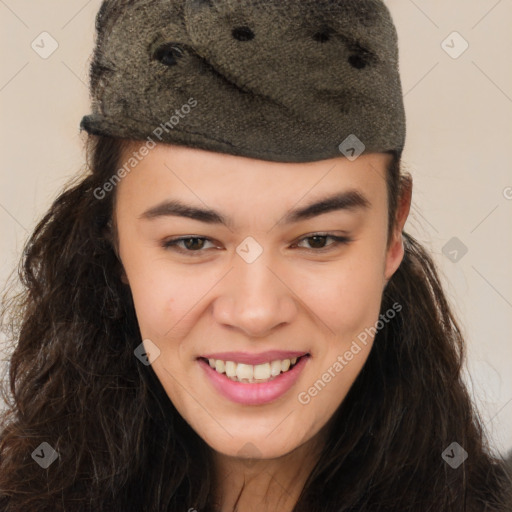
[(316, 239), (190, 246)]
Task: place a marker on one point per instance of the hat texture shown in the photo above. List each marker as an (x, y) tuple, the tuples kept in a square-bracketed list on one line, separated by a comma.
[(281, 80)]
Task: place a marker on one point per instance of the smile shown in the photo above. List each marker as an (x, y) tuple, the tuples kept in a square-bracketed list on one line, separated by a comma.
[(250, 384), (240, 372)]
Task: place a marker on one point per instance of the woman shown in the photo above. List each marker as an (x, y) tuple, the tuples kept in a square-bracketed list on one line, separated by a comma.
[(225, 313)]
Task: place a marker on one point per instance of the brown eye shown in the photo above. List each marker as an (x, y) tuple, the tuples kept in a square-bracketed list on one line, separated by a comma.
[(193, 243), (188, 245), (317, 242)]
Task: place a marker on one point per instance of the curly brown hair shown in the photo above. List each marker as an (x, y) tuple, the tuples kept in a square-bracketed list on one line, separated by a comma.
[(73, 382)]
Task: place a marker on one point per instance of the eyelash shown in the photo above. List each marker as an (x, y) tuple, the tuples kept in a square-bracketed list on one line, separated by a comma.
[(338, 240)]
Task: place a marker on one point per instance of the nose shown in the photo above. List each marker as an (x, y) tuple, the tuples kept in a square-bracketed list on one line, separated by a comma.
[(256, 298)]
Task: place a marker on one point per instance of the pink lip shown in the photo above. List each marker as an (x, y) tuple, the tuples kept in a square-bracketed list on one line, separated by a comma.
[(247, 358), (256, 393)]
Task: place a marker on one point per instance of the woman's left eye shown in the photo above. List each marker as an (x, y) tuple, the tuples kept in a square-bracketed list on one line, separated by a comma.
[(316, 240), (322, 237)]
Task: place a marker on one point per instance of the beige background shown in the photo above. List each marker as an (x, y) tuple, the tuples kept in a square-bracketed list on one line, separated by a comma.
[(459, 115)]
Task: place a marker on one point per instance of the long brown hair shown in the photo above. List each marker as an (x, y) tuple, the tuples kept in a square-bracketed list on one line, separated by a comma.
[(74, 383)]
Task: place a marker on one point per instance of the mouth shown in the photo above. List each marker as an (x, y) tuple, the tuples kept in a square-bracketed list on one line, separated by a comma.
[(253, 384), (253, 374)]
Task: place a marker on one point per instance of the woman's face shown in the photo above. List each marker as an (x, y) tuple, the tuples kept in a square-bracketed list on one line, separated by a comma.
[(252, 289)]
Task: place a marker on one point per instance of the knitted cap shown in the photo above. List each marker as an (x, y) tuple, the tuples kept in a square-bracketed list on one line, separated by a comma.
[(281, 80)]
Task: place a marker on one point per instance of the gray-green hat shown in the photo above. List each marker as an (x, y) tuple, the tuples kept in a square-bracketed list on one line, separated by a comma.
[(282, 80)]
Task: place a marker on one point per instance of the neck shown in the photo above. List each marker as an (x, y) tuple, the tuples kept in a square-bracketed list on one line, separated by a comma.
[(263, 485)]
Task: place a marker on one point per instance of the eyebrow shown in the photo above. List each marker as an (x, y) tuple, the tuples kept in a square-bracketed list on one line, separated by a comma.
[(351, 200)]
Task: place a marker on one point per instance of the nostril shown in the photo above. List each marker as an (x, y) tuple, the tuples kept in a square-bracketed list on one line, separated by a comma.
[(242, 33), (168, 54)]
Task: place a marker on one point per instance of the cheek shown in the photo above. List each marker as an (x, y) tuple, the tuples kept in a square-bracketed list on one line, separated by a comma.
[(345, 296), (349, 304), (361, 292), (361, 283), (159, 294)]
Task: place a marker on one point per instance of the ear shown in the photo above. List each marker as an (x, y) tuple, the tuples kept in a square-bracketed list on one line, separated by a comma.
[(395, 251)]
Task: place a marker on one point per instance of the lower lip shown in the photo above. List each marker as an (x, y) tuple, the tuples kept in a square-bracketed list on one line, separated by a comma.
[(255, 393)]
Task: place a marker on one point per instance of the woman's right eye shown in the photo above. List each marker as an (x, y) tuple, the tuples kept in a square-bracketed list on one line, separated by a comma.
[(190, 244)]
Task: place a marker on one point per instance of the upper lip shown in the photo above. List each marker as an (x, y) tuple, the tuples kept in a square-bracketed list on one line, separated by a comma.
[(248, 358)]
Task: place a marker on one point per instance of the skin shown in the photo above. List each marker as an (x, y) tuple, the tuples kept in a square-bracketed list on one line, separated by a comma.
[(290, 298)]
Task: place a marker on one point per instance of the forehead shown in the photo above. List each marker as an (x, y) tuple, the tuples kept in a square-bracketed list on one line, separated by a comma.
[(179, 171)]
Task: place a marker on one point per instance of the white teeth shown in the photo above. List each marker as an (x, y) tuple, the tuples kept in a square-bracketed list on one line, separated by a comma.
[(262, 371), (241, 372), (275, 368), (244, 371), (230, 369)]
